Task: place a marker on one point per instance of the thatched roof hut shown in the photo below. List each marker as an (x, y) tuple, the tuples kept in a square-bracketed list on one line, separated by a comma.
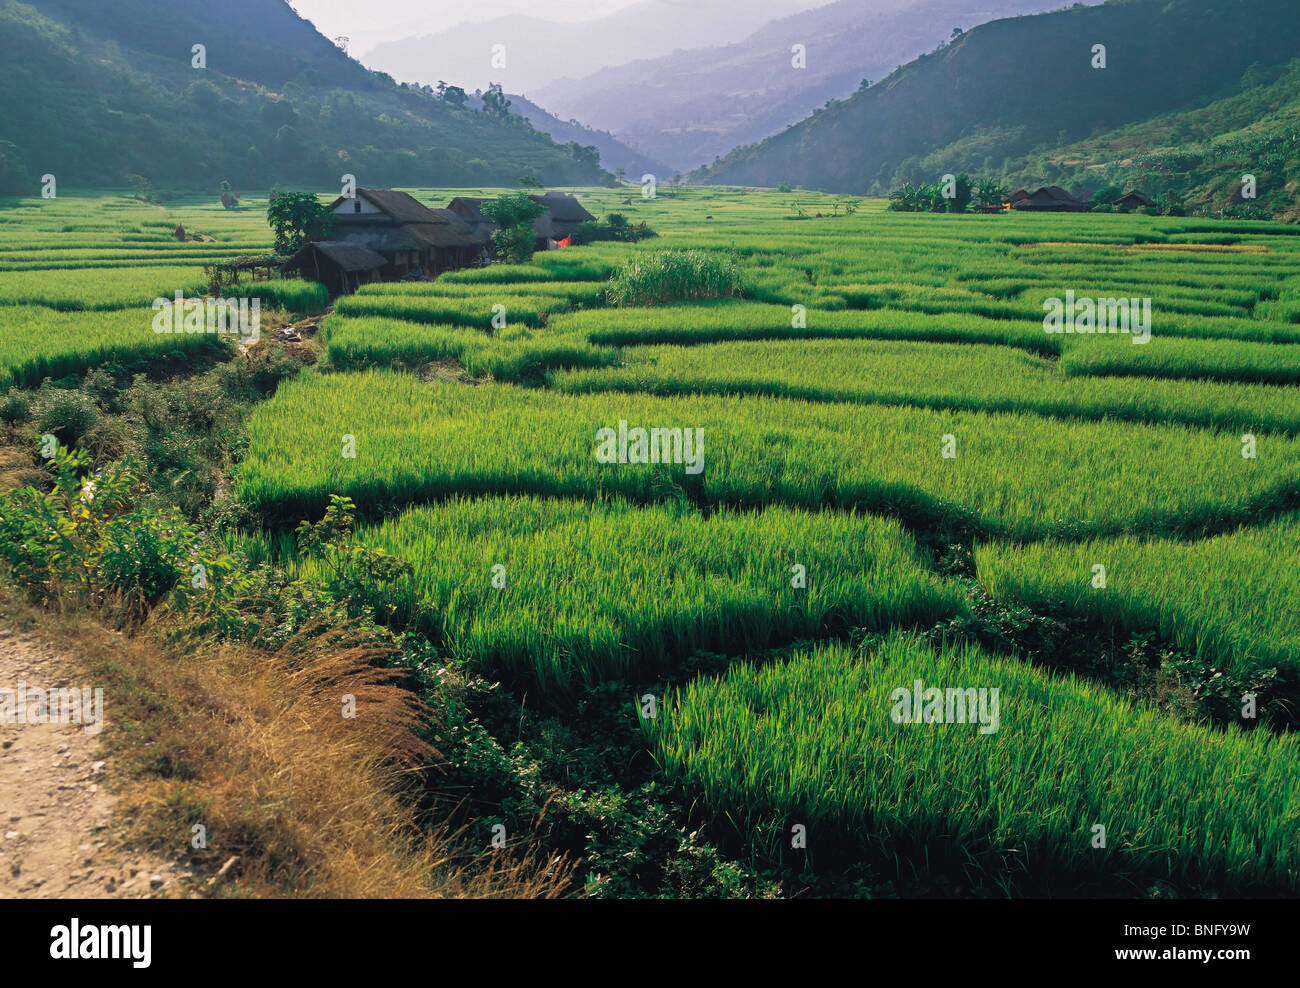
[(1050, 199), (1134, 200), (340, 266)]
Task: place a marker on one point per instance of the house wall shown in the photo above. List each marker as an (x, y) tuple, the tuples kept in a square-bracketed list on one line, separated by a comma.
[(348, 207)]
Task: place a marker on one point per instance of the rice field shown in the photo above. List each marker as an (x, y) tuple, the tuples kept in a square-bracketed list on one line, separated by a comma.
[(1231, 599), (883, 390), (933, 375), (503, 439), (814, 742), (588, 592)]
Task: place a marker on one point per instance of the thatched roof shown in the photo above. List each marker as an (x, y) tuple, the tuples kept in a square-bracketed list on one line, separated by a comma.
[(400, 207), (469, 206), (470, 212), (564, 207), (1050, 198), (348, 256), (1135, 199)]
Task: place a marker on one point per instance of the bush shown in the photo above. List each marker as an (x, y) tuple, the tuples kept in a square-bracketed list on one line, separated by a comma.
[(675, 276), (615, 228), (68, 416), (15, 408)]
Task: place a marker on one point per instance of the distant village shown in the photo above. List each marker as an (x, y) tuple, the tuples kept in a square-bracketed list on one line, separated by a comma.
[(384, 235), (1054, 199)]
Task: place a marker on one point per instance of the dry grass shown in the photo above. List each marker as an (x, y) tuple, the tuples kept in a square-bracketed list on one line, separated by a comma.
[(254, 746)]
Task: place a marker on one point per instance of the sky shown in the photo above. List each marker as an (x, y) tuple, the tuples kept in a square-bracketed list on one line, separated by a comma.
[(367, 24), (375, 21)]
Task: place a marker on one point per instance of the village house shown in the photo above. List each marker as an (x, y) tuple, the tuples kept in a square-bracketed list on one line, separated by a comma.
[(383, 235), (563, 215), (412, 240), (565, 212), (1048, 199), (1134, 200)]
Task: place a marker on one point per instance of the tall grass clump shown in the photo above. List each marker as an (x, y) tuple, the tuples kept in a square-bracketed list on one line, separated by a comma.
[(676, 276)]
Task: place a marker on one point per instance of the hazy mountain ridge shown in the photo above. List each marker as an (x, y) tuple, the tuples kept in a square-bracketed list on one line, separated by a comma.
[(692, 106), (1007, 87), (539, 51), (614, 154)]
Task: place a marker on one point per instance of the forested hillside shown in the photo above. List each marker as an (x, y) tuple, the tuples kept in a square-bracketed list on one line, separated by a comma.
[(94, 93), (1021, 86)]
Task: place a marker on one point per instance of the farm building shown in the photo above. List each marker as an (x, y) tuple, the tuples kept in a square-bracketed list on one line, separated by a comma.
[(565, 213), (1048, 199), (1134, 200), (414, 240), (470, 211), (562, 216), (340, 266)]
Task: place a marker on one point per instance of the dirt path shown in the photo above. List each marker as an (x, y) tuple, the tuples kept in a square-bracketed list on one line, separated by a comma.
[(55, 812)]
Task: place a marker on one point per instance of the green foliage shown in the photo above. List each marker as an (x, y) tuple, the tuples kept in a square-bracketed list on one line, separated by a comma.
[(1124, 477), (93, 539), (586, 594), (812, 740), (1226, 600), (361, 575), (616, 228), (296, 218), (675, 275), (68, 415), (514, 236)]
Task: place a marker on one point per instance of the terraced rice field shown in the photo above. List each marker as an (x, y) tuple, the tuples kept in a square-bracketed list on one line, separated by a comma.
[(76, 292), (883, 403)]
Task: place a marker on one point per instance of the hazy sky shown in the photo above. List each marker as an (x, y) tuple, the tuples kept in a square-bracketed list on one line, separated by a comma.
[(374, 21)]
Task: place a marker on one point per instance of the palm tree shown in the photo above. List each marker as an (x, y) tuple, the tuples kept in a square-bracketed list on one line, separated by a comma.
[(989, 193)]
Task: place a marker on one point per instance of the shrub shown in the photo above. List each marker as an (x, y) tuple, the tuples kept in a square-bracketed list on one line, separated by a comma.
[(68, 416), (15, 408), (675, 276), (615, 228)]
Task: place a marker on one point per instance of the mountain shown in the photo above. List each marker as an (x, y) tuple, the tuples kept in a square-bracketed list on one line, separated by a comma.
[(691, 106), (1198, 155), (614, 154), (94, 92), (1004, 89), (539, 51)]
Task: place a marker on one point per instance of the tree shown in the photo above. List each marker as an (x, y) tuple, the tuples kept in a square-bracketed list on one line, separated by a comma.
[(451, 95), (14, 179), (495, 103), (513, 213), (963, 188), (296, 218), (228, 198), (989, 193), (530, 182), (142, 186), (1106, 195)]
